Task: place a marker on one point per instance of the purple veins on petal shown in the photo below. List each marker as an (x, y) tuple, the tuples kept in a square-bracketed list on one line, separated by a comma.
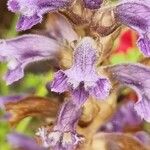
[(82, 78), (60, 84), (21, 51), (144, 44), (26, 22), (23, 142), (136, 15), (93, 4), (137, 77), (68, 117), (32, 11)]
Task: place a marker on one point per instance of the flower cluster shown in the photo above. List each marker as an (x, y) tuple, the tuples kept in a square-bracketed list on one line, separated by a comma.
[(85, 78)]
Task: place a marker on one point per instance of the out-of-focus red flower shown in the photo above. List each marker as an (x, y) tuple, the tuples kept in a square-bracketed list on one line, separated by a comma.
[(127, 41)]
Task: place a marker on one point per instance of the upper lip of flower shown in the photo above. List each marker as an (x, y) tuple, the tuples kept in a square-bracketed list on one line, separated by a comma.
[(21, 51), (32, 11)]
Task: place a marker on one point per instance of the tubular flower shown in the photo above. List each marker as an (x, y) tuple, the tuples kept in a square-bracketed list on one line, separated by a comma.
[(23, 50), (135, 76), (136, 15), (32, 11), (63, 136), (81, 79), (125, 116)]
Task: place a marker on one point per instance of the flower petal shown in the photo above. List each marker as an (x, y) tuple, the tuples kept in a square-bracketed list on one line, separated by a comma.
[(93, 4), (68, 117), (13, 5), (59, 83), (137, 77), (144, 44), (101, 89), (125, 117), (83, 68), (79, 94), (134, 14), (23, 142), (21, 51), (32, 10), (25, 22)]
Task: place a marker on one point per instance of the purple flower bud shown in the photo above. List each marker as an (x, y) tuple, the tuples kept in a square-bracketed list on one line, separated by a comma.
[(136, 15), (32, 11), (81, 79)]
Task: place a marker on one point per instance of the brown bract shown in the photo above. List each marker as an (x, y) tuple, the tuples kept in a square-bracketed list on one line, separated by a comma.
[(31, 106), (117, 141), (100, 22)]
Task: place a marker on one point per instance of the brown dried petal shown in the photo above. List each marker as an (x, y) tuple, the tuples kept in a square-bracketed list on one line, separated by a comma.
[(78, 14), (103, 23)]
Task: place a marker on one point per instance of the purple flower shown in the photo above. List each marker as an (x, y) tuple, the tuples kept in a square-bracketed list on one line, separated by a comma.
[(125, 116), (32, 11), (136, 15), (23, 50), (63, 136), (23, 142), (81, 79), (137, 77), (93, 4)]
